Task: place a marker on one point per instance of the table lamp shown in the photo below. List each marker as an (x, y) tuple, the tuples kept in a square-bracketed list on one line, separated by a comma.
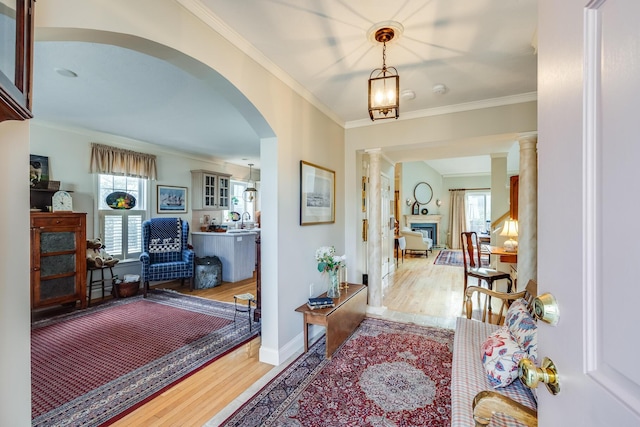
[(510, 230)]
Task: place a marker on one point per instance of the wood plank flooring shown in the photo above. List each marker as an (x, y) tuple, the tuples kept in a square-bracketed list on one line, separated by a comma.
[(417, 287)]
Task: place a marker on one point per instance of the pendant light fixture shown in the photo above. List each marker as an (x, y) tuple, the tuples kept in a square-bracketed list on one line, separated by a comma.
[(384, 83), (249, 194)]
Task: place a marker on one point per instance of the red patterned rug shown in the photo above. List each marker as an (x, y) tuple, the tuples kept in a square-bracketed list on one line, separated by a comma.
[(385, 374), (454, 258), (93, 366)]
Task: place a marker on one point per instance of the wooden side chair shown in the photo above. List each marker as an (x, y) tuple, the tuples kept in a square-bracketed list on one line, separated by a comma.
[(504, 299), (471, 255)]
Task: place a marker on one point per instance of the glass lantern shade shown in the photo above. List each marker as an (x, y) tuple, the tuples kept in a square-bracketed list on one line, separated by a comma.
[(384, 94)]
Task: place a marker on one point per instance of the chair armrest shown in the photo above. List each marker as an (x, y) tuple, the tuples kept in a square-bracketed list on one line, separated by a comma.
[(486, 403), (188, 255), (144, 258), (505, 297)]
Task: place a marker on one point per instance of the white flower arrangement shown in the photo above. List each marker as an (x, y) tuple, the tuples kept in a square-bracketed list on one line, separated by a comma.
[(328, 260)]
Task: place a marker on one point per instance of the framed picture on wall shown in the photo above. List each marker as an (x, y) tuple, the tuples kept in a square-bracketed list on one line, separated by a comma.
[(317, 194), (38, 171), (172, 199)]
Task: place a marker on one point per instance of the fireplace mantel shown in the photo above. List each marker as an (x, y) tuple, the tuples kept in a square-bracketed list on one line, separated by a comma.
[(410, 219)]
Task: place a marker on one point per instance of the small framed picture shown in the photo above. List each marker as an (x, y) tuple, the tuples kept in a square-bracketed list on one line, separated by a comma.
[(317, 194), (172, 199), (38, 171)]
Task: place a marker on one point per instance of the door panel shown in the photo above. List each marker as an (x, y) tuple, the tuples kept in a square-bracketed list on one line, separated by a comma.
[(588, 61)]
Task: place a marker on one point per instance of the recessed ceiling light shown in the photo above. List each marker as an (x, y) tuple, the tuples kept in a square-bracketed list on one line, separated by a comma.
[(65, 72), (440, 89), (407, 94)]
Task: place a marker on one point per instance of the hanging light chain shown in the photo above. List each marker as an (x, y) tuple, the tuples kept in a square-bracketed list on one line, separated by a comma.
[(384, 56)]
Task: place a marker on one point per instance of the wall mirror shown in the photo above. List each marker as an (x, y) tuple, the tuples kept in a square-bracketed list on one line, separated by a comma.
[(423, 193)]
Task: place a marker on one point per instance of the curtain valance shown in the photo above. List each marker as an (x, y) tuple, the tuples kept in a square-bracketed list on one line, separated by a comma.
[(117, 161)]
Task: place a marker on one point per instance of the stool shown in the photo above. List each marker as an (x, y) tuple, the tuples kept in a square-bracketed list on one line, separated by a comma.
[(241, 308), (102, 280)]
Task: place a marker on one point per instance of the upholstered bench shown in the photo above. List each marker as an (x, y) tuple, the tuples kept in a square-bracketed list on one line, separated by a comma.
[(482, 366), (468, 377)]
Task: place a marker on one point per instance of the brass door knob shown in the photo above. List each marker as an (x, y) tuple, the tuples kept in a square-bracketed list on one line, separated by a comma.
[(547, 373), (545, 308)]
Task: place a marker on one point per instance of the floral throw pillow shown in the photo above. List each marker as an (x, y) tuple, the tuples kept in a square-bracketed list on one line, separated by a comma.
[(523, 327), (500, 357)]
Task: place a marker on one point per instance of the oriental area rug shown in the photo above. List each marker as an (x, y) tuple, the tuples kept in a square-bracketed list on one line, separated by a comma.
[(453, 258), (91, 367), (386, 374)]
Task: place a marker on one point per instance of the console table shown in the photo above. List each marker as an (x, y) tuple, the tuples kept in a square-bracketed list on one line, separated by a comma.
[(340, 321)]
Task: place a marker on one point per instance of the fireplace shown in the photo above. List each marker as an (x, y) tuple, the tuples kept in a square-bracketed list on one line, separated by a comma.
[(431, 229), (431, 223)]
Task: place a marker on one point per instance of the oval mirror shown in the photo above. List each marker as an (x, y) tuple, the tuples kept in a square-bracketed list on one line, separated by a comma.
[(422, 193)]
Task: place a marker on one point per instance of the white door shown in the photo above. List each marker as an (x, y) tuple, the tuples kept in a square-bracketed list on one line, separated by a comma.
[(588, 209), (385, 195)]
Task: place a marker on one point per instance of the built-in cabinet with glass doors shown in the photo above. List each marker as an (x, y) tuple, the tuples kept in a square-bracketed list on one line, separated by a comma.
[(211, 190), (16, 57)]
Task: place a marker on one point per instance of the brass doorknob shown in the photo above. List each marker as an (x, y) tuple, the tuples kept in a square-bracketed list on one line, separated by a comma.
[(547, 373), (545, 308)]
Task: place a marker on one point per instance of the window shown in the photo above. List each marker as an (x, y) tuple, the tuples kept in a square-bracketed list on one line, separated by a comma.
[(478, 205), (237, 202), (121, 229)]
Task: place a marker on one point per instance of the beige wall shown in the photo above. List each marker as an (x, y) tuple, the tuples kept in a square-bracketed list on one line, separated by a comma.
[(15, 318)]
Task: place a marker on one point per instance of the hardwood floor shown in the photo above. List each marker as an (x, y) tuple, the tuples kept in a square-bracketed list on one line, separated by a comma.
[(420, 287), (417, 289)]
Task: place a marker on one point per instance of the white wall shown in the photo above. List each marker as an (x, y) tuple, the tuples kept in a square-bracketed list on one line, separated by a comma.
[(15, 366)]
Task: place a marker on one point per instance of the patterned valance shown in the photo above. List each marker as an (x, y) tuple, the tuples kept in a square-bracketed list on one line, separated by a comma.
[(117, 161)]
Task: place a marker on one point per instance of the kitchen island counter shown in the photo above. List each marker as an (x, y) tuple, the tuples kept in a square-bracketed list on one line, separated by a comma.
[(236, 250)]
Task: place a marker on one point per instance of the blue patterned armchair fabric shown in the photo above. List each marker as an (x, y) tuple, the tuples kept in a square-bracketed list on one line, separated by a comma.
[(165, 255)]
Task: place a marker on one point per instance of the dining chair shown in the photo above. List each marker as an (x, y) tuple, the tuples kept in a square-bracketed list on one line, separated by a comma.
[(471, 255)]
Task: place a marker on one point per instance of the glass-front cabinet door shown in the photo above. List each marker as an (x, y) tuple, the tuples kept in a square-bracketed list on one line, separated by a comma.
[(210, 193), (16, 59), (224, 184)]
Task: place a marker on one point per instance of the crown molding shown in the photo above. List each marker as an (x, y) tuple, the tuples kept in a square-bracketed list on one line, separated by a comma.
[(202, 12), (448, 109)]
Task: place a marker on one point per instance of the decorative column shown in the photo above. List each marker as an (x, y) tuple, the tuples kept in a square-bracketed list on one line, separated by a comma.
[(374, 242), (527, 210)]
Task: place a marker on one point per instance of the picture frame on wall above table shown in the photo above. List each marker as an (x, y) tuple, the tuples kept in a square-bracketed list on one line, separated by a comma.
[(317, 194), (171, 199)]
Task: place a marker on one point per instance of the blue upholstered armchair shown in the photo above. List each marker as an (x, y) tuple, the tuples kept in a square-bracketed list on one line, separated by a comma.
[(165, 255)]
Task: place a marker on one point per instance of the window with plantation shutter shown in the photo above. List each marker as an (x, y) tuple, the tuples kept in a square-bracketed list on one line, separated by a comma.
[(121, 229)]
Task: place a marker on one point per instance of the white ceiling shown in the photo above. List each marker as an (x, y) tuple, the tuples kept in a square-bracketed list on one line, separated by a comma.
[(481, 50)]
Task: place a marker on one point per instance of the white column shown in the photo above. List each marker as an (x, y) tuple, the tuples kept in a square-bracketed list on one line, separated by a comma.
[(527, 210), (375, 240)]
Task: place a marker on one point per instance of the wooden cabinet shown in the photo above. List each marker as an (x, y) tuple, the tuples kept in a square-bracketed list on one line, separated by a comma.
[(514, 182), (211, 190), (58, 259), (16, 59)]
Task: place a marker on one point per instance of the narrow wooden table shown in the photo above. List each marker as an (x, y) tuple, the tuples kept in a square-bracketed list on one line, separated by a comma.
[(340, 321), (508, 257)]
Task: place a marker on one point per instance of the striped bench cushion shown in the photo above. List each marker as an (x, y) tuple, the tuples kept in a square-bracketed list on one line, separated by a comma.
[(468, 376)]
